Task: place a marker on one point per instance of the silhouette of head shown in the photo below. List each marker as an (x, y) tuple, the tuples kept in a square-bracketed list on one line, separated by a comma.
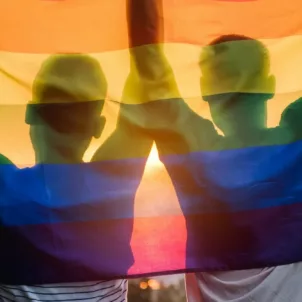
[(291, 118), (65, 113), (236, 82)]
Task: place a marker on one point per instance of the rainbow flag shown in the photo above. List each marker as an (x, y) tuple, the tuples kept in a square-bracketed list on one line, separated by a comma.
[(166, 185)]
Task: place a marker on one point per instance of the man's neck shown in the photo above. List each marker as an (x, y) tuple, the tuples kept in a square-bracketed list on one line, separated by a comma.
[(57, 158)]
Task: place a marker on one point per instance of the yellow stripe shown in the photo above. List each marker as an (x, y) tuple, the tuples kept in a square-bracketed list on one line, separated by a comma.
[(18, 71), (16, 145)]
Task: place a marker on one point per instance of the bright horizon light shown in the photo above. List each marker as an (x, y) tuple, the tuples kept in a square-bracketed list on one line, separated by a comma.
[(153, 161)]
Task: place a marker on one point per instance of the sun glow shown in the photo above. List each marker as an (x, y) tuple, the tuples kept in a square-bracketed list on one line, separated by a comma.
[(153, 159)]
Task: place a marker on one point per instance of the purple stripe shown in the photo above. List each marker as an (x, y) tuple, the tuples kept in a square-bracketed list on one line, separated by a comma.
[(74, 252)]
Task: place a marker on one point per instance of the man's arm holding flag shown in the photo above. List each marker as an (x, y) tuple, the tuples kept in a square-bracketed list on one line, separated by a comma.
[(167, 117), (148, 61), (150, 78), (126, 142), (128, 139)]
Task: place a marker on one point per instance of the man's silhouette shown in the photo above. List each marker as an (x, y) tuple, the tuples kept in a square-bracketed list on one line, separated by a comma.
[(74, 197), (236, 82), (242, 118), (291, 119)]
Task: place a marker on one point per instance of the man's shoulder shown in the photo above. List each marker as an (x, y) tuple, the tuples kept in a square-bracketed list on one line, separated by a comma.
[(4, 160), (112, 290), (6, 167), (279, 135), (19, 180), (261, 138), (207, 137), (262, 284)]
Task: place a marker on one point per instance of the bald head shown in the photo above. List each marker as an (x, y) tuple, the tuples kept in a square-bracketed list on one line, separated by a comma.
[(234, 63), (68, 92), (65, 112), (291, 118), (69, 78), (236, 82)]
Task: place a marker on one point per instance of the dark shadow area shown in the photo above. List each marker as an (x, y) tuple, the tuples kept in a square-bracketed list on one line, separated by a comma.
[(231, 194), (63, 219)]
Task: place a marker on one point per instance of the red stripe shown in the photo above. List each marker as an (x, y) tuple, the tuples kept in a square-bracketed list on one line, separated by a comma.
[(37, 26)]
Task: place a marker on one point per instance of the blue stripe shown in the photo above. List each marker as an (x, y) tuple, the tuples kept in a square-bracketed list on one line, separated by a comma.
[(207, 181), (237, 180), (65, 193)]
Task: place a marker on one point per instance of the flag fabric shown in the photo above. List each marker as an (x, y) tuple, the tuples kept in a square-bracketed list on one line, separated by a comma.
[(217, 205)]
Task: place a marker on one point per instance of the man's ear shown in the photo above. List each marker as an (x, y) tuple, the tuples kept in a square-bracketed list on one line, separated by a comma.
[(204, 91), (201, 86), (271, 86), (99, 126)]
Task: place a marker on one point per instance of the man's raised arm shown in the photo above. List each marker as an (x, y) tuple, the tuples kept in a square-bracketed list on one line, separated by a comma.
[(148, 61), (129, 140), (165, 115)]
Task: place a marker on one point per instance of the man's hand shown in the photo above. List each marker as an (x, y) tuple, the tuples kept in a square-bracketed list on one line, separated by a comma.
[(163, 115), (149, 65), (145, 24), (151, 83)]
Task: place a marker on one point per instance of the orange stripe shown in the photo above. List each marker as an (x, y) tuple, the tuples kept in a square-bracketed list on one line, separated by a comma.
[(44, 26)]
